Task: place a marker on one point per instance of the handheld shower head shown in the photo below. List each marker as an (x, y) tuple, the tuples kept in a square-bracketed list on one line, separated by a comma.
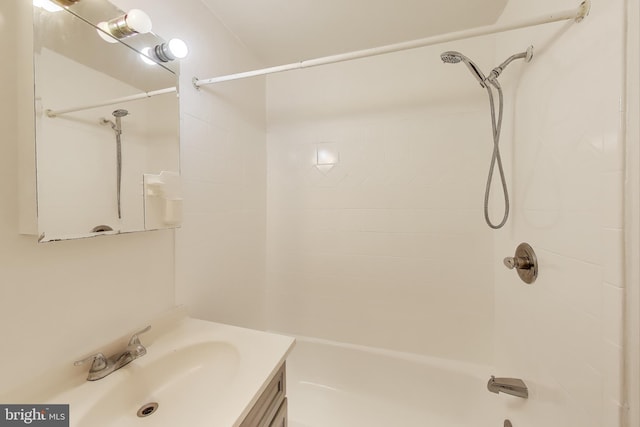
[(489, 83), (453, 57)]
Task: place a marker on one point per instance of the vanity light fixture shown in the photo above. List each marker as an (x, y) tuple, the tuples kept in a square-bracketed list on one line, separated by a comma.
[(131, 23), (165, 52)]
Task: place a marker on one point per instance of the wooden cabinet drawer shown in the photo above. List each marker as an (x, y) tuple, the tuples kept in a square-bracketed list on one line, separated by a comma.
[(280, 419)]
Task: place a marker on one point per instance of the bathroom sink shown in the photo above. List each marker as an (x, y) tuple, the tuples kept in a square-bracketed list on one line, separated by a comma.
[(198, 373), (188, 380)]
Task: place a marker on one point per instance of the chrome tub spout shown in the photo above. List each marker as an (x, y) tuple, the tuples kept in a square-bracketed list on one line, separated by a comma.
[(512, 386)]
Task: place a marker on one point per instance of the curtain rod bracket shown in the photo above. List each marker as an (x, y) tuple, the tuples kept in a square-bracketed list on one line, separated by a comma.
[(194, 82), (583, 10)]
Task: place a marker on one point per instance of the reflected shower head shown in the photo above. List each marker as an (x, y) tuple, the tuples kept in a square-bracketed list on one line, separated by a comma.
[(120, 113), (453, 57), (117, 126)]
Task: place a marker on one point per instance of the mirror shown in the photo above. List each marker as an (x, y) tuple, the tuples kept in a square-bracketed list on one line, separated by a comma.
[(107, 128)]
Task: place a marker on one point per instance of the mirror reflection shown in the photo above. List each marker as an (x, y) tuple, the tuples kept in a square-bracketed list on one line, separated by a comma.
[(107, 136)]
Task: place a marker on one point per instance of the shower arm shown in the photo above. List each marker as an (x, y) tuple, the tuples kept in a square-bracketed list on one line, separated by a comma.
[(526, 55)]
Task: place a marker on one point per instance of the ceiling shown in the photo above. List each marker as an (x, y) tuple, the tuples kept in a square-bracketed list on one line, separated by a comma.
[(285, 31)]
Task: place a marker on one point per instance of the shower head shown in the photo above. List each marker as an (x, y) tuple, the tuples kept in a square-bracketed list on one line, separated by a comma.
[(453, 57), (120, 113)]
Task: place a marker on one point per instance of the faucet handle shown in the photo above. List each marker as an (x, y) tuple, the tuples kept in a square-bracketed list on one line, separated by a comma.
[(99, 362), (135, 340), (524, 262), (517, 263)]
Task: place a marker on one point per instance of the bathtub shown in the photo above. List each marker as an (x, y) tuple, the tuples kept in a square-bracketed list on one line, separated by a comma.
[(341, 385)]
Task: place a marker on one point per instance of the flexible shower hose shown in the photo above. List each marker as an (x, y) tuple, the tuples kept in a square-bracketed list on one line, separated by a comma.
[(495, 159)]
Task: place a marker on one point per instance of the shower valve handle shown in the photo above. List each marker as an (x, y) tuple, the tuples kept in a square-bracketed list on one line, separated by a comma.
[(517, 262), (524, 262)]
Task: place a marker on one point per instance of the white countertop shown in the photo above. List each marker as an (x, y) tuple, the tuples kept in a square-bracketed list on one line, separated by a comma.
[(201, 374)]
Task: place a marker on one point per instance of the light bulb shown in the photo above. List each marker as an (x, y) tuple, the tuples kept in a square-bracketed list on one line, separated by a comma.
[(132, 23), (138, 21), (178, 48), (173, 49)]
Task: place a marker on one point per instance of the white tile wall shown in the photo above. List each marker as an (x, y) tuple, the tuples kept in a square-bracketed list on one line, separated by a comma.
[(220, 249), (353, 240), (563, 335), (632, 219), (388, 248)]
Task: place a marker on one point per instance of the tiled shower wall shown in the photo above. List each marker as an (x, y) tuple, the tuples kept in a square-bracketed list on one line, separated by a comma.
[(564, 334), (387, 247), (220, 246)]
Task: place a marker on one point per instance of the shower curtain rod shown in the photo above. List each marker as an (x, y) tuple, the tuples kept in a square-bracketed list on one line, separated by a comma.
[(577, 15), (55, 113)]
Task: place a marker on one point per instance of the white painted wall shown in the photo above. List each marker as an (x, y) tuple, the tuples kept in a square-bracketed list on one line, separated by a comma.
[(565, 146), (389, 247)]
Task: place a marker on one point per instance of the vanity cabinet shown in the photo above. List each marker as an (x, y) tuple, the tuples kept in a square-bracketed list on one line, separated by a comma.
[(280, 420), (271, 408)]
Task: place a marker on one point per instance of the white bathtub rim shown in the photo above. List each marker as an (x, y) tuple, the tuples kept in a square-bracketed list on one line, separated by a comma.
[(475, 370)]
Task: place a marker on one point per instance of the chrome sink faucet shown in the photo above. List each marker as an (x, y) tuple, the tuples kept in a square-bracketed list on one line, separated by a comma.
[(512, 386), (102, 366)]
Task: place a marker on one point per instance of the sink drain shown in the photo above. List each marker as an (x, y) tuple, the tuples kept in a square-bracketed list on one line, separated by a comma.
[(147, 409)]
